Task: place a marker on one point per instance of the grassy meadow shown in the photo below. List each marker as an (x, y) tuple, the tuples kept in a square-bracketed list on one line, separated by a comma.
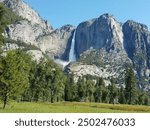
[(72, 107)]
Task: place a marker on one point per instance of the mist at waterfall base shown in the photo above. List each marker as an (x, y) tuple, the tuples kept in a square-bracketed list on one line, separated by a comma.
[(72, 54)]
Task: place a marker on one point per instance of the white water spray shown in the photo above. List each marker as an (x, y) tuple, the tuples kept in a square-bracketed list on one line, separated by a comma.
[(72, 54)]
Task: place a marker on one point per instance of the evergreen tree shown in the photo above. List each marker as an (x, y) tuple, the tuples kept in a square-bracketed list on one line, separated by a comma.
[(98, 90), (90, 89), (105, 95), (122, 99), (14, 72), (47, 82), (130, 87), (37, 82), (113, 92), (143, 98), (71, 93), (146, 101), (57, 86), (81, 89)]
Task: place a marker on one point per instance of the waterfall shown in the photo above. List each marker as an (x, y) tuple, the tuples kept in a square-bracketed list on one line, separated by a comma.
[(72, 54)]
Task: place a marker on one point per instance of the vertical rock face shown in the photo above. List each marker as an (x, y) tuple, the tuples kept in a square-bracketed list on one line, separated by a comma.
[(23, 31), (137, 46), (103, 32), (136, 38), (30, 27), (57, 44)]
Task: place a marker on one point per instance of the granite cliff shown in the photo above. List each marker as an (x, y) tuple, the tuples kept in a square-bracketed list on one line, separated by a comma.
[(113, 46), (103, 47), (33, 30)]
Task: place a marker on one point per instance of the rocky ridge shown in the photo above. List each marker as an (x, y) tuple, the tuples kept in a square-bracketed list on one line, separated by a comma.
[(25, 11), (33, 30), (28, 29)]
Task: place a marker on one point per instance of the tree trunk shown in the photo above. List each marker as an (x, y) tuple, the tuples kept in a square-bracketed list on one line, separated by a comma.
[(5, 101)]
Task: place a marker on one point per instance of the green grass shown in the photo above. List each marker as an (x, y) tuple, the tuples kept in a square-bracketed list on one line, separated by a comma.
[(72, 107)]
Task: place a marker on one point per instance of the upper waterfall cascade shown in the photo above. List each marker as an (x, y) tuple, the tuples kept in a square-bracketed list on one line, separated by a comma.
[(72, 54)]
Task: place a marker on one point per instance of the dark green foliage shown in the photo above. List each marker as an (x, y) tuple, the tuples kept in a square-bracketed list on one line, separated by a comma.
[(130, 87), (105, 95), (81, 89), (86, 89), (22, 79), (14, 71), (47, 83), (93, 89), (143, 98), (113, 92), (122, 99), (71, 89), (98, 90), (90, 89), (7, 17), (146, 101)]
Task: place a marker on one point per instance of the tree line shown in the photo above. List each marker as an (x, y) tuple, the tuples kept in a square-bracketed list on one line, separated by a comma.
[(93, 89), (22, 79)]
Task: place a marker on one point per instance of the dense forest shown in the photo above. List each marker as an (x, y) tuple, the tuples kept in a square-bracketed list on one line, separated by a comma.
[(22, 79)]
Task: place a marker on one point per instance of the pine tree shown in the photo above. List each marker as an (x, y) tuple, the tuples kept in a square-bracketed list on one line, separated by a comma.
[(98, 90), (90, 89), (122, 99), (71, 93), (47, 82), (58, 85), (113, 92), (81, 89), (143, 98), (130, 87), (146, 101), (105, 95), (14, 72)]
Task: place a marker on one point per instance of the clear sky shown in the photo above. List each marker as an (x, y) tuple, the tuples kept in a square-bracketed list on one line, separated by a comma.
[(61, 12)]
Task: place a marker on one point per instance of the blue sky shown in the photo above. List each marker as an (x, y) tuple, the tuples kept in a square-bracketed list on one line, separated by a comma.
[(61, 12)]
